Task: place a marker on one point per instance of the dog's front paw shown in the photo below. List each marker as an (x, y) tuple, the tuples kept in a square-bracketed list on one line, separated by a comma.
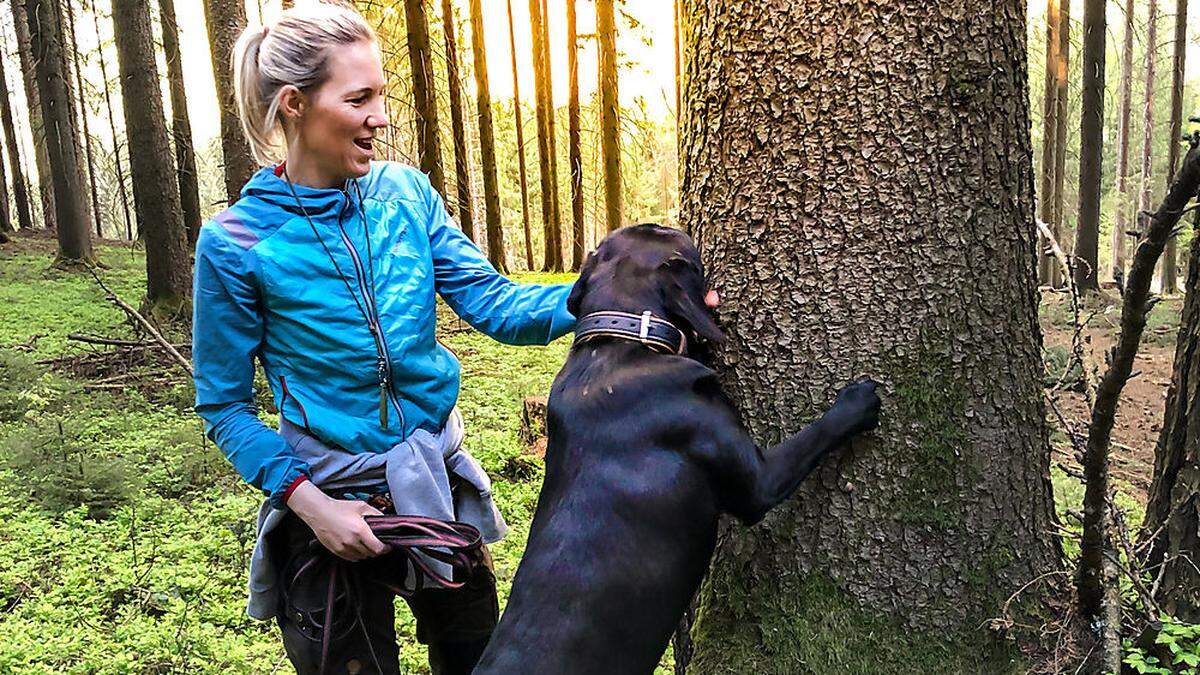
[(857, 407)]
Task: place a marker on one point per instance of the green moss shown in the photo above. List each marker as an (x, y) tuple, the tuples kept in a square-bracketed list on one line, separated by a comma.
[(932, 407), (812, 626)]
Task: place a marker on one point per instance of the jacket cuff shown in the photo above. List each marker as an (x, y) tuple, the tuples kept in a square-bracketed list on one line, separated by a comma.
[(280, 502), (562, 321)]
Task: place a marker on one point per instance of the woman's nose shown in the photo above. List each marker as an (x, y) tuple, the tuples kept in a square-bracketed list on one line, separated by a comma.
[(377, 120)]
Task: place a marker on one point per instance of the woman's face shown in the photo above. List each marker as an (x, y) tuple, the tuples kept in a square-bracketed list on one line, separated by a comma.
[(339, 120)]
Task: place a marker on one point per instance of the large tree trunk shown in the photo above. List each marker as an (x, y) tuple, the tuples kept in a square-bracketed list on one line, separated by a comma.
[(1121, 222), (487, 143), (112, 125), (1091, 145), (1147, 172), (36, 125), (462, 171), (512, 46), (1060, 147), (59, 115), (1049, 135), (155, 190), (1169, 278), (610, 119), (424, 92), (181, 126), (541, 80), (578, 239), (226, 20), (552, 140), (910, 259), (20, 193), (86, 138)]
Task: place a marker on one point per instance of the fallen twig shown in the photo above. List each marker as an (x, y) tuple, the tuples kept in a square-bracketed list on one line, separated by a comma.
[(141, 320)]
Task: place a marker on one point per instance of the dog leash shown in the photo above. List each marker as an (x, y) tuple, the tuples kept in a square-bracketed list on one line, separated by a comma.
[(412, 538)]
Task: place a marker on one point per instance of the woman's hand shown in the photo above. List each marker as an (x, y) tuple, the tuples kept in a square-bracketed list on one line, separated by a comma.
[(338, 523)]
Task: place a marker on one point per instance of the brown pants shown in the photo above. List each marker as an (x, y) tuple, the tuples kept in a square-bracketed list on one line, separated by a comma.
[(454, 623)]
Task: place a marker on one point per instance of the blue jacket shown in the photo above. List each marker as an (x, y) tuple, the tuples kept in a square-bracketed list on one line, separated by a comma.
[(266, 286)]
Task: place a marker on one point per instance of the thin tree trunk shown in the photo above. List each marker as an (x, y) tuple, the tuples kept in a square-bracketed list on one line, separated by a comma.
[(678, 67), (893, 554), (1049, 134), (512, 42), (487, 143), (112, 126), (1147, 180), (578, 240), (1169, 277), (1091, 144), (462, 172), (1121, 222), (5, 214), (552, 138), (36, 125), (1060, 149), (59, 115), (181, 125), (226, 20), (20, 193), (424, 93), (155, 190), (83, 115), (541, 80), (610, 121)]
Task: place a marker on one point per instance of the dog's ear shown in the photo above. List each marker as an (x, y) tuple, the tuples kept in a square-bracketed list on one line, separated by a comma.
[(685, 305), (580, 287)]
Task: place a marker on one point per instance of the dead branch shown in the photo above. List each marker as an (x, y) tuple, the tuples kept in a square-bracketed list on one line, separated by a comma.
[(141, 320)]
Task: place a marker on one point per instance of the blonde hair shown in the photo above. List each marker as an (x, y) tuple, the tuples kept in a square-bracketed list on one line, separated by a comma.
[(294, 50)]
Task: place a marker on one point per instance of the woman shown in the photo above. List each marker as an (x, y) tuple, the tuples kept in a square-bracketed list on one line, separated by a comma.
[(326, 270)]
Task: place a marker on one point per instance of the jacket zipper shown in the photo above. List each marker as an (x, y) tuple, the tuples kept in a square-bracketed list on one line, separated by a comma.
[(381, 348), (288, 394)]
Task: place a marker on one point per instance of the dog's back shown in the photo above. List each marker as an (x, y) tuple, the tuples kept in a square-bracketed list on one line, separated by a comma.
[(625, 523)]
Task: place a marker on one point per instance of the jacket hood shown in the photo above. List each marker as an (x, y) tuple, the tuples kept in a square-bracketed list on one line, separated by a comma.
[(269, 185)]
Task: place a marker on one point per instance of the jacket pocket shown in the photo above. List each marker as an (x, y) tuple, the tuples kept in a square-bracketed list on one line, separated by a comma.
[(299, 406)]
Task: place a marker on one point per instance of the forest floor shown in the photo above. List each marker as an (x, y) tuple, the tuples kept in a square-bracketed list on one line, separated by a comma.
[(125, 535)]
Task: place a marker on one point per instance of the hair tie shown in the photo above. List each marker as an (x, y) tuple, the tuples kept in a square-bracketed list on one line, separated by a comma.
[(265, 30)]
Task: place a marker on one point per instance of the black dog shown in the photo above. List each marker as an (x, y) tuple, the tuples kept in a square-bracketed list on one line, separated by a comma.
[(645, 452)]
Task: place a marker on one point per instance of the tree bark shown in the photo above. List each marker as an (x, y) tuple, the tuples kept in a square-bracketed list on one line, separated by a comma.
[(462, 171), (1049, 135), (20, 193), (181, 125), (226, 21), (610, 119), (59, 115), (1091, 145), (541, 80), (1121, 222), (552, 140), (155, 190), (578, 239), (36, 125), (487, 143), (112, 125), (1169, 276), (86, 140), (512, 43), (896, 550), (424, 92), (1147, 171), (1060, 149)]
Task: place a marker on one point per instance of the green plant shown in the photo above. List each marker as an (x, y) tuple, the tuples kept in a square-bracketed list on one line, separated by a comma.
[(1176, 649)]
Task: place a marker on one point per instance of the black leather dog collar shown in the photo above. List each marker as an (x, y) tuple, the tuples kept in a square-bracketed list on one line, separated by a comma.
[(657, 334)]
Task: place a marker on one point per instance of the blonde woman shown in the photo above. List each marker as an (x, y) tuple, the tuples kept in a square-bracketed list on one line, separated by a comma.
[(326, 270)]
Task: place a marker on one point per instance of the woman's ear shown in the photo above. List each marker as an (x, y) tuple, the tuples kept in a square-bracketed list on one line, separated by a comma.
[(292, 103)]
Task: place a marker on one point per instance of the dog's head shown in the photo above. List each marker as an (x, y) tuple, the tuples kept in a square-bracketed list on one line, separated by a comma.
[(647, 267)]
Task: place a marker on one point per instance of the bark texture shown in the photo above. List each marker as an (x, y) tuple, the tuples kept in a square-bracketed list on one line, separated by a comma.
[(1147, 173), (424, 93), (20, 193), (181, 125), (1060, 150), (226, 21), (610, 118), (487, 143), (1170, 275), (914, 121), (462, 171), (74, 224), (512, 46), (155, 191), (1121, 221), (1046, 265), (1091, 145), (541, 80)]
